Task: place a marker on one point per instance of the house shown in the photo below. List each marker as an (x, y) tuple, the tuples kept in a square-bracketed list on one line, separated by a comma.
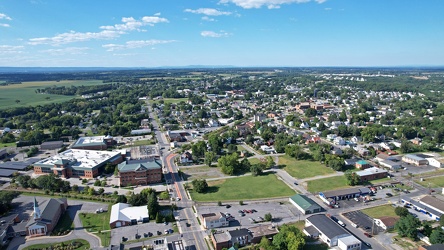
[(336, 151), (186, 157), (322, 227), (315, 139), (45, 216), (260, 231), (230, 238), (213, 220), (305, 204), (362, 151), (372, 173), (386, 222), (414, 160), (331, 137), (339, 141), (356, 139), (362, 164), (213, 123), (268, 149), (123, 214), (139, 172)]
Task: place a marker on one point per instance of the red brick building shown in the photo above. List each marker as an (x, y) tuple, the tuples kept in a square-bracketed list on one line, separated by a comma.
[(140, 172)]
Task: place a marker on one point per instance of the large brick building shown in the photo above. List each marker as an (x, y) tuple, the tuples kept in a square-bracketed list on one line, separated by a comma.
[(140, 172), (78, 163)]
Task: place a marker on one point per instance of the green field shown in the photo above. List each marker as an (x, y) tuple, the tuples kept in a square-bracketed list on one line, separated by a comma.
[(26, 93), (303, 169), (254, 161), (324, 184), (65, 224), (433, 182), (105, 238), (378, 212), (95, 222), (169, 100), (79, 243), (244, 188)]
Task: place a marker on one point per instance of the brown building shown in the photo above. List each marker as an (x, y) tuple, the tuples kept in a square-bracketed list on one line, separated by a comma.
[(258, 232), (78, 163), (45, 216), (372, 173), (228, 239), (140, 172)]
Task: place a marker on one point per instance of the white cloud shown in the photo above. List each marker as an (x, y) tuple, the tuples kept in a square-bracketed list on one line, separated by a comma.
[(4, 16), (66, 51), (4, 25), (208, 12), (135, 44), (108, 32), (270, 4), (207, 33), (10, 49), (205, 18), (157, 14)]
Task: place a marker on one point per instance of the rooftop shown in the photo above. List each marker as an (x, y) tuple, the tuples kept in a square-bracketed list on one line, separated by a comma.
[(139, 165), (78, 158), (92, 140), (370, 171), (433, 202), (124, 212), (326, 225), (304, 202)]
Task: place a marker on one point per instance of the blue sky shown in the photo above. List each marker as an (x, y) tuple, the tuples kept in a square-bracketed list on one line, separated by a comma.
[(153, 33)]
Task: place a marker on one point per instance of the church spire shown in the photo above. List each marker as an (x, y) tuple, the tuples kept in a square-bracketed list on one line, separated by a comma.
[(36, 210)]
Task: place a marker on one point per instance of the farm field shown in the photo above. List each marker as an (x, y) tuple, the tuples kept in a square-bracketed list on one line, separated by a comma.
[(240, 188), (302, 169), (24, 94)]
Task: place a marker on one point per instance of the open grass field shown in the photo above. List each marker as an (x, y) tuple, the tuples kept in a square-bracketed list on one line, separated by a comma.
[(78, 243), (95, 222), (105, 238), (377, 212), (433, 182), (303, 169), (244, 188), (254, 161), (324, 184), (170, 100), (5, 145), (26, 93)]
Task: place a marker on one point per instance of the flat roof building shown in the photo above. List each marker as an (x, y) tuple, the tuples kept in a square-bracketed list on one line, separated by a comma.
[(123, 214), (94, 142), (305, 204), (76, 162)]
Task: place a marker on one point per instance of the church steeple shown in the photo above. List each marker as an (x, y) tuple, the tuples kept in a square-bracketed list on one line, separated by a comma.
[(36, 210)]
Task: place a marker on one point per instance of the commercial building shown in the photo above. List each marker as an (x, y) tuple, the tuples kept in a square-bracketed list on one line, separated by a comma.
[(260, 231), (123, 214), (94, 142), (78, 163), (425, 207), (214, 220), (330, 197), (139, 172), (228, 239), (372, 173), (414, 160), (45, 216), (324, 228), (305, 204)]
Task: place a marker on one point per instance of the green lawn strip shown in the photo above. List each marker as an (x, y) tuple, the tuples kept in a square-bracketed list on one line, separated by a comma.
[(380, 211), (169, 100), (244, 188), (299, 224), (105, 238), (302, 168), (378, 181), (9, 144), (65, 224), (81, 244), (330, 183), (142, 143)]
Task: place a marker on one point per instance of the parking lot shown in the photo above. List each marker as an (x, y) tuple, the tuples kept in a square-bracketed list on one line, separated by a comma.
[(142, 230), (281, 213)]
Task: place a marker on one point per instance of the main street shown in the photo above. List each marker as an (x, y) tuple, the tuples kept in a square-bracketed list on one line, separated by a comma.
[(192, 234)]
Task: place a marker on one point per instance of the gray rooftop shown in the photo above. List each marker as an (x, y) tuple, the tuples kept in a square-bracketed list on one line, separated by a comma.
[(326, 226)]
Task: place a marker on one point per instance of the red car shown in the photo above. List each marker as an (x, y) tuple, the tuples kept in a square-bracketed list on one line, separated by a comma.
[(368, 235)]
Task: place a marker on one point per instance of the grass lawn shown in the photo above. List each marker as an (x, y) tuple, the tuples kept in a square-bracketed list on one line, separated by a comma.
[(434, 182), (377, 212), (105, 238), (65, 224), (303, 169), (9, 144), (94, 222), (170, 100), (79, 243), (299, 224), (26, 94), (386, 179), (142, 143), (330, 183), (244, 188), (254, 161)]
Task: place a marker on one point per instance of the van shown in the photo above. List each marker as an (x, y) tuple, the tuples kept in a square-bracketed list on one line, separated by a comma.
[(341, 223)]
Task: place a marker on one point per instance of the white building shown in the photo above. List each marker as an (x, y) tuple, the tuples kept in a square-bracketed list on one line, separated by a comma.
[(214, 220), (123, 214)]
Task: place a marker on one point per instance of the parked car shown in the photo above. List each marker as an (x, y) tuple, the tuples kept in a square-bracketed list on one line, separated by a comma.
[(368, 235), (389, 194), (227, 206), (253, 210), (159, 232), (240, 211)]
